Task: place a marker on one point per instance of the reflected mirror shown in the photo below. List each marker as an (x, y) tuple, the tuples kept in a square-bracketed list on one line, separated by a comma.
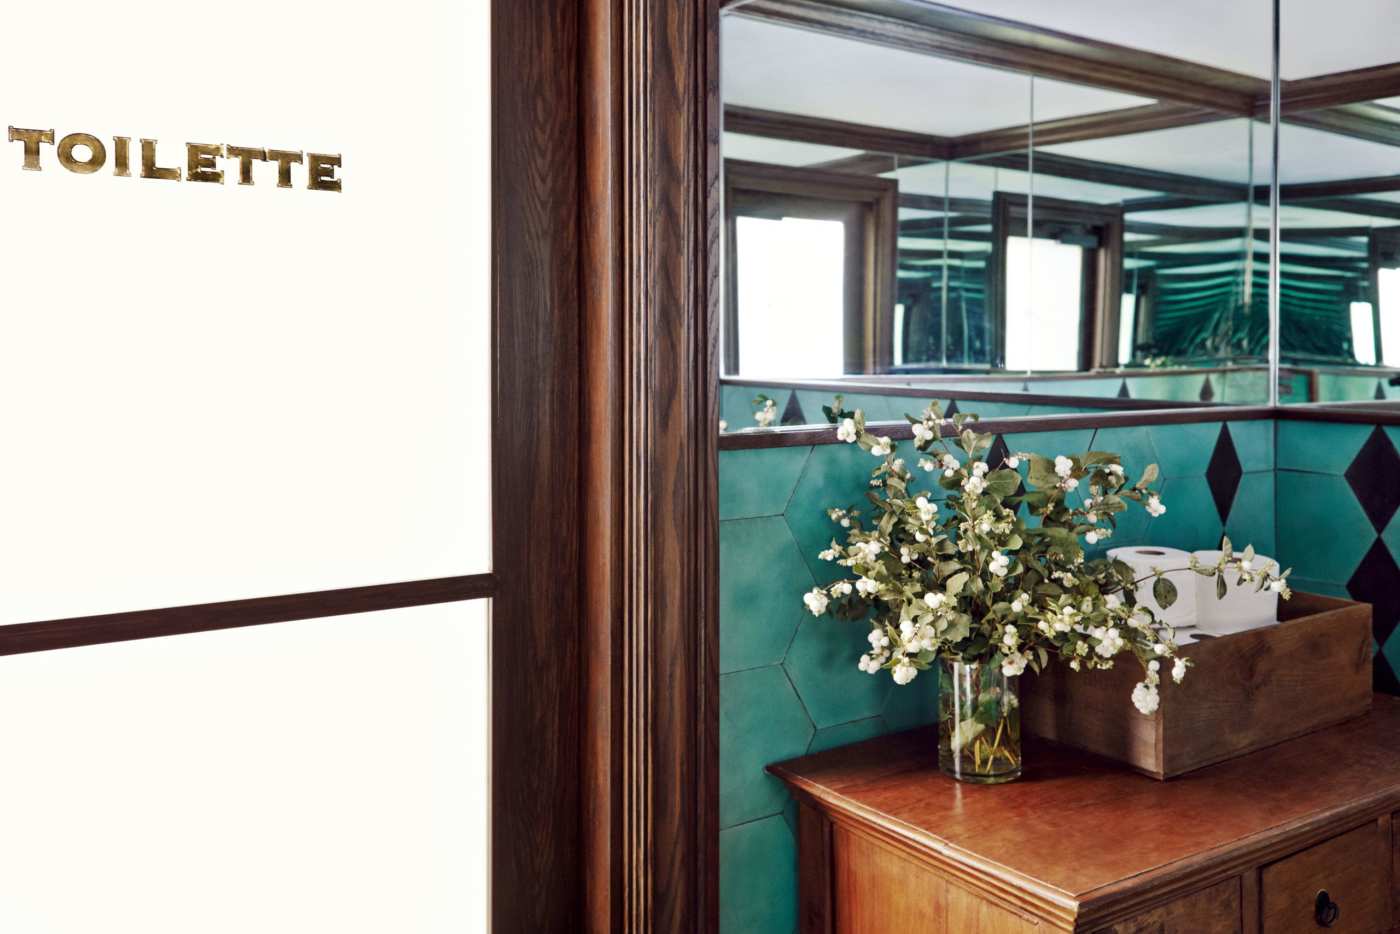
[(1016, 207)]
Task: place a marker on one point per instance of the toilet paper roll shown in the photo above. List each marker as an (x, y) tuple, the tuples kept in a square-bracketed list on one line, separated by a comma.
[(1142, 559), (1241, 608)]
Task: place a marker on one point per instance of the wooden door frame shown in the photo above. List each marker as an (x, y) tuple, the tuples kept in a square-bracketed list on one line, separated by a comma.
[(871, 254)]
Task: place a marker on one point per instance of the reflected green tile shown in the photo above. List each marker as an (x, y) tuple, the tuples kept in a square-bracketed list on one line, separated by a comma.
[(1319, 447), (1391, 536), (846, 733), (1254, 443), (1251, 520), (736, 404), (822, 664), (1191, 521), (758, 482), (1098, 388), (761, 721), (1132, 445), (986, 409), (1323, 533), (1184, 450), (1051, 443), (762, 578), (1244, 387), (1391, 650), (837, 475), (758, 878), (913, 704)]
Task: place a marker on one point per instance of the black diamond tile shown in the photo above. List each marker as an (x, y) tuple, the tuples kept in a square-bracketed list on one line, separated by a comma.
[(952, 409), (1224, 473), (1123, 390), (1207, 391), (1376, 581), (1380, 390), (792, 412), (1372, 477)]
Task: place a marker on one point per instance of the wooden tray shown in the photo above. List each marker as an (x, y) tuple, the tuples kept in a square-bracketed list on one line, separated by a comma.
[(1246, 690)]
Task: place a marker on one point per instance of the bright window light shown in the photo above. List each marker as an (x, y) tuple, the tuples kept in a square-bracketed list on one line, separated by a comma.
[(1127, 327), (1390, 315), (1044, 304), (899, 334), (791, 288), (1363, 333)]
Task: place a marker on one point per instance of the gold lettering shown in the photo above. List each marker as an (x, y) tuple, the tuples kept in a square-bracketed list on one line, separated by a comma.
[(285, 161), (203, 163), (121, 156), (31, 140), (149, 169), (246, 157), (97, 153), (321, 169)]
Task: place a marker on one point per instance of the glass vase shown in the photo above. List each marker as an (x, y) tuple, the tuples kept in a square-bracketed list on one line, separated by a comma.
[(979, 723)]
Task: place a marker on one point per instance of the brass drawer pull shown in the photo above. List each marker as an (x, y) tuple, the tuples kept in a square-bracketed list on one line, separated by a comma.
[(1325, 911)]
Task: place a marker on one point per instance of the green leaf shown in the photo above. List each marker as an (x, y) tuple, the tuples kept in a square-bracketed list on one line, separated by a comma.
[(1164, 591), (1002, 483), (1149, 474), (1220, 587), (955, 583), (1100, 457)]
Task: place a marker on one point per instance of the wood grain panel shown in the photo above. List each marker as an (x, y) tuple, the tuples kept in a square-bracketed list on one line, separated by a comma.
[(815, 872), (1350, 868), (536, 880), (1215, 910), (873, 884)]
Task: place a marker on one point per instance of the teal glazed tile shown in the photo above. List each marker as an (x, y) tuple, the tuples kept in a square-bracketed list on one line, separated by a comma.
[(1251, 520), (1391, 535), (790, 815), (761, 721), (822, 664), (837, 475), (1254, 443), (1391, 650), (1319, 447), (1132, 445), (846, 733), (1394, 434), (913, 704), (758, 878), (1326, 588), (1191, 521), (987, 410), (1323, 533), (1051, 443), (762, 578), (736, 405), (758, 482), (1184, 450)]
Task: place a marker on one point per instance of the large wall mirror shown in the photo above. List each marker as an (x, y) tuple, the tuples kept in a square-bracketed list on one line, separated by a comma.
[(1038, 208)]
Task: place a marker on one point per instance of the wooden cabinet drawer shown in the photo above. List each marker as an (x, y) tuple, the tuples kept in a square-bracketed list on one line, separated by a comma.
[(1352, 869)]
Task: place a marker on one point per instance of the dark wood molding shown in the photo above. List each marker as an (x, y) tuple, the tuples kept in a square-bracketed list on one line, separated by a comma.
[(1374, 123), (1338, 88), (951, 33), (1144, 119), (650, 207), (70, 633), (752, 121), (804, 436), (537, 879), (970, 395)]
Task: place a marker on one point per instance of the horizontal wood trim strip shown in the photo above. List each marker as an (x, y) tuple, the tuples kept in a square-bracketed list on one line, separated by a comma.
[(1149, 117), (752, 121), (70, 633), (976, 395), (804, 436), (1353, 413)]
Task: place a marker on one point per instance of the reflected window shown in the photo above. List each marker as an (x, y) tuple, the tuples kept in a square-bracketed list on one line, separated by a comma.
[(1363, 333), (1388, 289), (809, 271), (1044, 304), (790, 274)]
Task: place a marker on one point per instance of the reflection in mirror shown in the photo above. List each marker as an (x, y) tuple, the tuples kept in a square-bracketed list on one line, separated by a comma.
[(1340, 200), (929, 199)]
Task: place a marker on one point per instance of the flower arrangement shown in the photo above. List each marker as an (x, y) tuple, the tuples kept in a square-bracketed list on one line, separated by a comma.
[(968, 578)]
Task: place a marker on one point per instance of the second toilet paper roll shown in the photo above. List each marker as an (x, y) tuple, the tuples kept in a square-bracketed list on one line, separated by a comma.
[(1142, 559)]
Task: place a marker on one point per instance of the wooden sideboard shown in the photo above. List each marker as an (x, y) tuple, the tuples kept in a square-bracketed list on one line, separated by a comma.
[(889, 844)]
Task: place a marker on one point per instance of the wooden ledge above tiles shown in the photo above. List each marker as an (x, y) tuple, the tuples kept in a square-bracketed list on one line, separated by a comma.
[(808, 435), (887, 842)]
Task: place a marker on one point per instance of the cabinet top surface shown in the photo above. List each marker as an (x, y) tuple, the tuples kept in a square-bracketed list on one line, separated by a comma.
[(1079, 824)]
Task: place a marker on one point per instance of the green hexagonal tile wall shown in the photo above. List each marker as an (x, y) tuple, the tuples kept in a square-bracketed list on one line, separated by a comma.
[(822, 665), (760, 601), (765, 486), (760, 721), (758, 878)]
